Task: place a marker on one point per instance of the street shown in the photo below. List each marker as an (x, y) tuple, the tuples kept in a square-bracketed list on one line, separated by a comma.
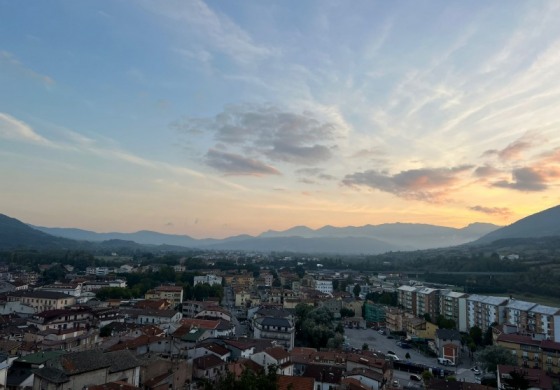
[(380, 343)]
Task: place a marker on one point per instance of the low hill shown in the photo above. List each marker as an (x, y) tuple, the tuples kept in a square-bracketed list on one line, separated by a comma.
[(542, 224), (14, 234)]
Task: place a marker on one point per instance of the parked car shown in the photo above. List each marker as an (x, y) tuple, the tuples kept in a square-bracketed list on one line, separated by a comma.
[(445, 362), (476, 370), (415, 378)]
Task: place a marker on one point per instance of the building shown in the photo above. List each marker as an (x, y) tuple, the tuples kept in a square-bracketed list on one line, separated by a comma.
[(483, 311), (453, 306), (325, 286), (42, 300), (374, 313), (173, 294), (407, 298), (78, 370), (427, 302), (544, 320), (209, 279), (517, 313)]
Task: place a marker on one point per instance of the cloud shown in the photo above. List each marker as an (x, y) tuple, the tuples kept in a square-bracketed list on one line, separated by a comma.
[(317, 173), (269, 132), (427, 184), (12, 128), (10, 59), (525, 179), (197, 22), (486, 171), (234, 164), (515, 150), (502, 211)]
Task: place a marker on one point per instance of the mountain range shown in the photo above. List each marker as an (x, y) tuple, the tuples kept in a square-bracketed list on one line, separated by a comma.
[(368, 239)]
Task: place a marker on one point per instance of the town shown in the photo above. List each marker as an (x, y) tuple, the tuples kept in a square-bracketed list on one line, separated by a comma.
[(295, 324)]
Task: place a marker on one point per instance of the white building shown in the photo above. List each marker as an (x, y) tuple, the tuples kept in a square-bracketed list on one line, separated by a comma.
[(483, 311), (210, 279), (325, 286)]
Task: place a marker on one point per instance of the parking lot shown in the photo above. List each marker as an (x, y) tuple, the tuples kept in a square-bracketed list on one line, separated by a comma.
[(382, 343)]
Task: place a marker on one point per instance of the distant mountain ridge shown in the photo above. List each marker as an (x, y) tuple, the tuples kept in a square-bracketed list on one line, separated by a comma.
[(372, 239)]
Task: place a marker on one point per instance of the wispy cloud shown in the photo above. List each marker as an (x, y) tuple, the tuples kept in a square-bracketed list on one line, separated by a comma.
[(12, 128), (13, 61), (235, 164), (427, 184), (525, 179), (212, 29), (501, 211)]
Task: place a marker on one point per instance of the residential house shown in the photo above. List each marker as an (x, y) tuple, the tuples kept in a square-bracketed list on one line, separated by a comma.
[(286, 382), (324, 286), (74, 290), (208, 279), (325, 377), (209, 367), (422, 329), (76, 318), (448, 344), (372, 380), (78, 370), (277, 357)]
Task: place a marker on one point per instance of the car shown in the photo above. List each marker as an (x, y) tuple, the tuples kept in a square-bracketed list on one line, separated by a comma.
[(390, 353), (390, 337), (415, 378), (396, 383), (381, 331)]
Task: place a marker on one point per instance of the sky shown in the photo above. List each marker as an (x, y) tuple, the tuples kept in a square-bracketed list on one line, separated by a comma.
[(218, 118)]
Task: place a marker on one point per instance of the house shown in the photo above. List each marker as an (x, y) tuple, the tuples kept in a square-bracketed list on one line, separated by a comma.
[(420, 328), (239, 348), (448, 344), (286, 382), (21, 375), (191, 308), (209, 367), (277, 357), (78, 370), (79, 317), (369, 378), (538, 379), (325, 377)]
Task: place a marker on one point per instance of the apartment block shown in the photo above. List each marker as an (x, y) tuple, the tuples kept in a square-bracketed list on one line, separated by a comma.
[(427, 302), (407, 298), (517, 313), (453, 306), (544, 320), (173, 294), (483, 311)]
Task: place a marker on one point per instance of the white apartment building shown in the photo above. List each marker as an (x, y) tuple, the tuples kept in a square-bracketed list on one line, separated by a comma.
[(544, 320), (483, 311), (210, 279), (325, 286)]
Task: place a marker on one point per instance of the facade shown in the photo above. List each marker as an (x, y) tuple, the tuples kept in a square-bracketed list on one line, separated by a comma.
[(209, 279), (517, 313), (173, 294), (325, 286), (453, 306), (407, 298), (427, 302), (483, 311), (532, 353), (42, 300), (374, 313), (544, 320), (282, 330)]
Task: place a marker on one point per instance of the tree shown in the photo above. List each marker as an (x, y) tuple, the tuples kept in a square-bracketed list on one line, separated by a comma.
[(476, 335), (488, 339), (426, 376), (493, 355), (407, 356), (516, 381), (346, 312), (356, 290), (365, 347)]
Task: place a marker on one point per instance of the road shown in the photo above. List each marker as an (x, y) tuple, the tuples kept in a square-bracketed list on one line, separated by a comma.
[(357, 337)]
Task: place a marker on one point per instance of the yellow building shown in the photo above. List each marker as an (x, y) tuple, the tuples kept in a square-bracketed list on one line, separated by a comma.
[(543, 354)]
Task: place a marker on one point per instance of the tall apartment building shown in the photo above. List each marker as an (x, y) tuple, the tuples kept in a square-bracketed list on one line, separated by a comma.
[(407, 298), (483, 311), (517, 313), (544, 320), (427, 302), (453, 306)]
